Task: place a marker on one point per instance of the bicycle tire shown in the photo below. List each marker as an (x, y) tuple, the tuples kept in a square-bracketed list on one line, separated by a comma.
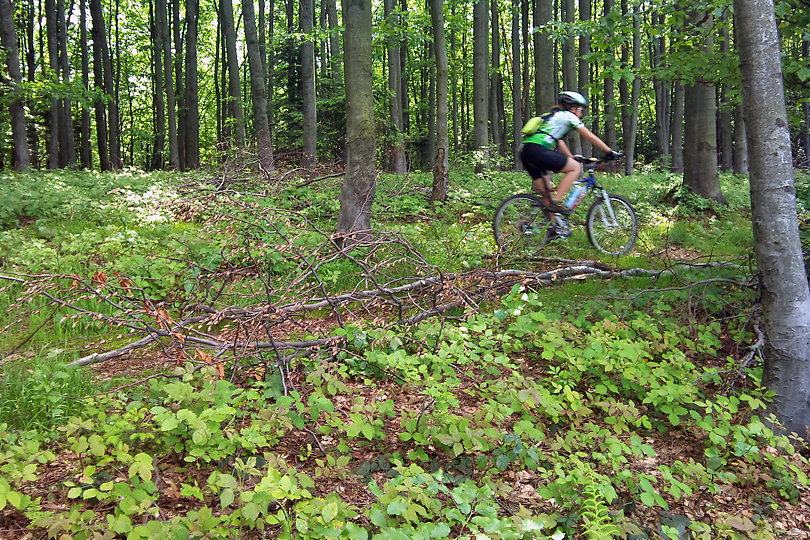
[(520, 225), (612, 236)]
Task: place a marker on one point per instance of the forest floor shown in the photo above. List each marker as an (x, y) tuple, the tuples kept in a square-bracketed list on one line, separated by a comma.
[(421, 385)]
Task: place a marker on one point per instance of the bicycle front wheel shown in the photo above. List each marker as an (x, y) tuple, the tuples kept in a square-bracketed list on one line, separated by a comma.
[(520, 225), (612, 225)]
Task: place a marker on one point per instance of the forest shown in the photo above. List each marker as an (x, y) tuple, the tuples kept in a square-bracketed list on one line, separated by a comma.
[(253, 282)]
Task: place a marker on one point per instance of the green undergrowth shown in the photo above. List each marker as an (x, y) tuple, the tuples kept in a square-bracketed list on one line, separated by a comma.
[(522, 422), (597, 409)]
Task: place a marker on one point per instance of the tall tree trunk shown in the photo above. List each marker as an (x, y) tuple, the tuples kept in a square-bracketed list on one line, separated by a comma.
[(31, 65), (403, 71), (237, 115), (270, 70), (191, 98), (309, 122), (584, 68), (158, 99), (496, 81), (67, 143), (454, 106), (785, 297), (334, 41), (700, 133), (106, 83), (398, 163), (610, 89), (517, 87), (740, 142), (360, 182), (179, 90), (725, 132), (440, 163), (85, 151), (630, 117), (53, 57), (569, 65), (545, 72), (99, 34), (662, 94), (480, 79), (677, 127), (257, 90), (162, 20), (8, 40)]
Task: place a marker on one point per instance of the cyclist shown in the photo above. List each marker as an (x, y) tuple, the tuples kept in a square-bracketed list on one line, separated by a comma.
[(544, 150)]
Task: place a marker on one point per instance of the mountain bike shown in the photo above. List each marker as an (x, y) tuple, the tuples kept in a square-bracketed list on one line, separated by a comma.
[(523, 226)]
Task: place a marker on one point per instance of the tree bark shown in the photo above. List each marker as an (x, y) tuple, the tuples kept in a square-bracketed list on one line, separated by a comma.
[(630, 117), (700, 130), (785, 296), (569, 65), (53, 59), (67, 142), (309, 120), (334, 41), (257, 89), (360, 182), (725, 132), (584, 69), (8, 39), (610, 89), (517, 88), (440, 163), (496, 82), (480, 80), (99, 34), (545, 75), (158, 100), (85, 150), (677, 127), (398, 163), (236, 131), (191, 99), (662, 92), (168, 69)]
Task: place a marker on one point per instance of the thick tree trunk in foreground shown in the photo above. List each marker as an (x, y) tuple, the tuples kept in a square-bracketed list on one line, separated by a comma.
[(360, 183), (785, 296), (8, 40)]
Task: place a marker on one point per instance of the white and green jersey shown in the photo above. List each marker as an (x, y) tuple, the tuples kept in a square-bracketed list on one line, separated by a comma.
[(554, 127)]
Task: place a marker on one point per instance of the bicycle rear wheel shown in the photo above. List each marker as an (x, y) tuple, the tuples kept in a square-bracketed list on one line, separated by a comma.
[(612, 225), (520, 225)]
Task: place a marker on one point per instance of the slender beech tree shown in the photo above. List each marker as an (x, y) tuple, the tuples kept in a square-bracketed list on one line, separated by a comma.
[(517, 87), (660, 87), (740, 143), (8, 39), (53, 57), (158, 96), (309, 121), (480, 79), (360, 182), (398, 163), (725, 132), (496, 81), (584, 67), (784, 291), (609, 85), (168, 70), (257, 89), (545, 71), (569, 64), (67, 144), (191, 99), (700, 129), (85, 150), (677, 127), (236, 123), (99, 35), (630, 111), (440, 163)]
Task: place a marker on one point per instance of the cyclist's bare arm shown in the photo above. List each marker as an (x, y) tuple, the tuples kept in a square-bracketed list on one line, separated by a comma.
[(596, 141)]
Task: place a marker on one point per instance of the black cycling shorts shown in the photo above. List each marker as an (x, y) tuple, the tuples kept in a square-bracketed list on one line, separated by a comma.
[(538, 160)]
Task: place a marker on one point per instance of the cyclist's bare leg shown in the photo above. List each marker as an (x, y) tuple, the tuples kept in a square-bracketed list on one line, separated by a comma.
[(571, 172), (543, 186)]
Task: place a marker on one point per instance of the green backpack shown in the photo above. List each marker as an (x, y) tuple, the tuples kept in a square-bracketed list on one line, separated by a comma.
[(533, 125)]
